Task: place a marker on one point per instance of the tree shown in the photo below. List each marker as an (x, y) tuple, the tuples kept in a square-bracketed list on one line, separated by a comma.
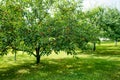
[(35, 35), (44, 33), (11, 19), (111, 23), (91, 22)]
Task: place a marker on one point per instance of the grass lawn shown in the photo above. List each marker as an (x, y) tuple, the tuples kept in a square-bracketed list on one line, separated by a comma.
[(103, 64)]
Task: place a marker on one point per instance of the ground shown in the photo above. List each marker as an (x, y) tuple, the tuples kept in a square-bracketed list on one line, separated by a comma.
[(103, 64)]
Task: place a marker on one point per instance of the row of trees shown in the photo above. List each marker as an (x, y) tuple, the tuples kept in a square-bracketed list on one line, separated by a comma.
[(40, 27)]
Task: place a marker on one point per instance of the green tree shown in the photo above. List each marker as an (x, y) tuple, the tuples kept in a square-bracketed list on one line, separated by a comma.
[(10, 21), (46, 30), (110, 22), (35, 36), (91, 22)]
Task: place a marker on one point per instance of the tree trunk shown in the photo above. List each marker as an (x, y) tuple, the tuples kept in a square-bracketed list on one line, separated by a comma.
[(94, 46), (38, 55), (116, 42), (15, 56), (38, 59)]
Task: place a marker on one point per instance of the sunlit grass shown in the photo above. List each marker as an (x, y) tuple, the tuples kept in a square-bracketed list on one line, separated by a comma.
[(103, 64)]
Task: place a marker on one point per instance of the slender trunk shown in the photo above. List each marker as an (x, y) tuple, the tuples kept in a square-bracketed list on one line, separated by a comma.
[(116, 42), (94, 46), (38, 55), (15, 56)]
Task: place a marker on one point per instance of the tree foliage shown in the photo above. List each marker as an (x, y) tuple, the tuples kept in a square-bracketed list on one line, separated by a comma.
[(10, 22), (40, 27), (110, 23)]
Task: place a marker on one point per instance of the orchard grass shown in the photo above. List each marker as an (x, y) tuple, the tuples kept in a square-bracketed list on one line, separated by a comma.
[(103, 64)]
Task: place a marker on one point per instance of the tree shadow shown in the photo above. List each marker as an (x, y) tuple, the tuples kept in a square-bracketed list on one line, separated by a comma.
[(64, 69), (107, 52)]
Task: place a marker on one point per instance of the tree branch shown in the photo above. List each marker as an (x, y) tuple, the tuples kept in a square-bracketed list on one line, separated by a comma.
[(18, 49)]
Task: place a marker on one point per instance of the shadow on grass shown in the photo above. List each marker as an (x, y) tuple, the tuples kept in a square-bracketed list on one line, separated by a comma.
[(108, 52), (64, 69)]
